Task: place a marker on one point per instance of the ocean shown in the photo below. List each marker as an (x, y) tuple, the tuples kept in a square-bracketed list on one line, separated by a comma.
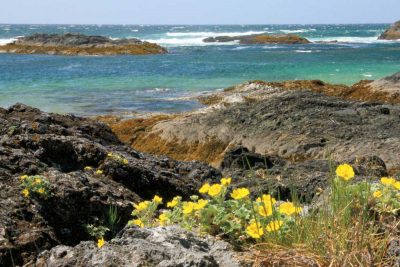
[(95, 85)]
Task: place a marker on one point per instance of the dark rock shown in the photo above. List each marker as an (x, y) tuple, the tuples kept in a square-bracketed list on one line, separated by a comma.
[(58, 148), (393, 33), (259, 39), (79, 44), (282, 178), (170, 246)]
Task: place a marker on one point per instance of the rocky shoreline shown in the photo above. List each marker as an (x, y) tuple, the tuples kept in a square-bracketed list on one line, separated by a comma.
[(268, 136), (295, 120), (71, 44)]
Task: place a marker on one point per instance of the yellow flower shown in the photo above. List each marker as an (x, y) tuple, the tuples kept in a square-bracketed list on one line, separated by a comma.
[(163, 219), (240, 193), (100, 242), (201, 203), (23, 177), (254, 230), (125, 161), (265, 211), (204, 189), (41, 190), (388, 181), (137, 222), (37, 181), (157, 199), (173, 202), (99, 172), (88, 168), (110, 154), (377, 194), (274, 226), (214, 190), (266, 199), (141, 206), (397, 185), (188, 207), (226, 181), (25, 192), (345, 171), (288, 208)]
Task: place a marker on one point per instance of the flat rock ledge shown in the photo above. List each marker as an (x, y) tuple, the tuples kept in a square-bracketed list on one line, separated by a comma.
[(259, 39), (134, 247), (73, 44)]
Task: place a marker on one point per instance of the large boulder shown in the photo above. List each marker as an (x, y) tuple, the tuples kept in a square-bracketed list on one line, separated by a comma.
[(58, 148), (79, 44), (134, 247), (393, 33)]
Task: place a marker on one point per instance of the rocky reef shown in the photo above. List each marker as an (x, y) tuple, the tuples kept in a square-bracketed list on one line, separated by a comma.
[(259, 39), (88, 170), (393, 33), (296, 121), (78, 44)]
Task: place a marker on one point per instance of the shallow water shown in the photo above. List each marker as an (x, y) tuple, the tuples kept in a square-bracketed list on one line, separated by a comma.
[(104, 84)]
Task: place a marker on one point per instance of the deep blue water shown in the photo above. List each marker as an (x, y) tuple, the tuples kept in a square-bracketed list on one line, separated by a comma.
[(164, 83)]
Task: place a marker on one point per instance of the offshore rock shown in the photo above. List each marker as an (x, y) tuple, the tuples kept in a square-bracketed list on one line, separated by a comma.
[(59, 147), (393, 33), (134, 247), (79, 44), (259, 39)]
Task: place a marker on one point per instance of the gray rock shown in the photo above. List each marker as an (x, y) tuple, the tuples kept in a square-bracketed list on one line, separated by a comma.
[(134, 247)]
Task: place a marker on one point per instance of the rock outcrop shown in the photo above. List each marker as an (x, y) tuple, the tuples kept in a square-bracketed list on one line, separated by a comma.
[(79, 44), (393, 33), (58, 148), (389, 85), (259, 39), (295, 121), (134, 247)]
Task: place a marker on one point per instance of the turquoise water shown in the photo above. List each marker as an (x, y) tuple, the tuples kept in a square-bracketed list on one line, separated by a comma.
[(164, 83)]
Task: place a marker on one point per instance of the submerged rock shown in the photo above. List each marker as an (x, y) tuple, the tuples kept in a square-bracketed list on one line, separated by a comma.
[(393, 33), (169, 246), (259, 39), (79, 44), (58, 148)]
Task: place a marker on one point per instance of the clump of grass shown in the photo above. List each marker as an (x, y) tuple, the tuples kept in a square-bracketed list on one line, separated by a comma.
[(342, 230)]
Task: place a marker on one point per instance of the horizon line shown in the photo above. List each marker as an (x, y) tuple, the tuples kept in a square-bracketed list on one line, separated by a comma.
[(205, 24)]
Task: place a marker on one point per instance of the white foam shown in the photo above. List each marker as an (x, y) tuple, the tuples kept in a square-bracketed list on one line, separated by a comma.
[(367, 75), (303, 51), (7, 41), (185, 42), (350, 39), (298, 31), (134, 30), (212, 34)]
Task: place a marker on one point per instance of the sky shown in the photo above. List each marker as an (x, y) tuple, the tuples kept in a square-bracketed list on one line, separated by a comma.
[(199, 11)]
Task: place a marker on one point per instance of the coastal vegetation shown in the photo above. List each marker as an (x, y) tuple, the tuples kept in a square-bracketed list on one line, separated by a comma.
[(348, 227)]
